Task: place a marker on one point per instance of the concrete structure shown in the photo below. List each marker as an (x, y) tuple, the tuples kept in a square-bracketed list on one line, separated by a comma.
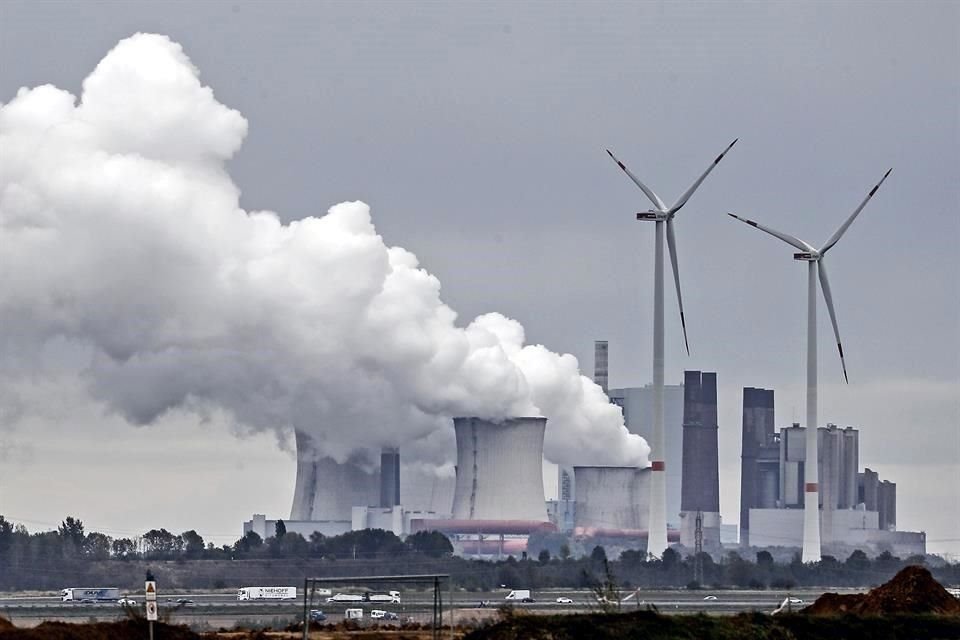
[(759, 457), (565, 486), (611, 499), (700, 487), (389, 477), (499, 469), (327, 490), (562, 514), (600, 363), (266, 528), (850, 529), (879, 496), (637, 405)]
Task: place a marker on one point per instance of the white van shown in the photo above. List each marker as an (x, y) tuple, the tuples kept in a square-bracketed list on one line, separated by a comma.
[(353, 614), (523, 595)]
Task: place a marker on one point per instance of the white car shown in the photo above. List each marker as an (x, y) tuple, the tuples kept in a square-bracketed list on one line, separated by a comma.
[(127, 602), (710, 597), (563, 600), (795, 601)]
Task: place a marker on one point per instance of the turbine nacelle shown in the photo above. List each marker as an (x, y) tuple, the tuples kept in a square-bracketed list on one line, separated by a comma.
[(656, 216), (807, 256)]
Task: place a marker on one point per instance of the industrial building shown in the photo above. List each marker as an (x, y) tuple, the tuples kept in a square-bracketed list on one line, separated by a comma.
[(857, 509), (760, 458), (700, 486)]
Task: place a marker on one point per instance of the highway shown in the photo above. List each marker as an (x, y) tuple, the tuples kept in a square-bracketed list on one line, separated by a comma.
[(221, 609)]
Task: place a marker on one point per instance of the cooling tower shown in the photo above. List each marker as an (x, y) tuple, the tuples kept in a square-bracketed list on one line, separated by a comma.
[(611, 498), (326, 489), (499, 469)]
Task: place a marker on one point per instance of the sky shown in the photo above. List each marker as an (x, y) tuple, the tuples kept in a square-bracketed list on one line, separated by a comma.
[(476, 135)]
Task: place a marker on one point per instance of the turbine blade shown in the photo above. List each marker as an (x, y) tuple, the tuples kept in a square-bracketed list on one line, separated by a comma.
[(672, 247), (686, 196), (828, 297), (796, 242), (654, 198), (843, 228)]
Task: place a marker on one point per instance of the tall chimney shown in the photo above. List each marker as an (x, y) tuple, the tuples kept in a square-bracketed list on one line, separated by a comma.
[(600, 350), (389, 477)]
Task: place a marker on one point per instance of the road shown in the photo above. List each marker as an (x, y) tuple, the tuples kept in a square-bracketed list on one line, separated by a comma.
[(223, 610)]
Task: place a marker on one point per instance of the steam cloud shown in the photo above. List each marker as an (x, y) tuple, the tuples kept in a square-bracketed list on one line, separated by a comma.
[(122, 234)]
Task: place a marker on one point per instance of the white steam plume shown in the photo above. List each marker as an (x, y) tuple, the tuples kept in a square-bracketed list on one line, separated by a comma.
[(121, 232)]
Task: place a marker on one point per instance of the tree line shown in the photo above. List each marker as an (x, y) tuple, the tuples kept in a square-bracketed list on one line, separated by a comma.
[(70, 556)]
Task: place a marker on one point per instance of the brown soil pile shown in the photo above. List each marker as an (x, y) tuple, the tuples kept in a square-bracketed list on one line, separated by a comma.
[(913, 590), (5, 624), (127, 629)]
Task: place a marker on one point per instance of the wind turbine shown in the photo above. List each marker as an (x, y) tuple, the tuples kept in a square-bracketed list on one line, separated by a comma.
[(662, 216), (816, 268)]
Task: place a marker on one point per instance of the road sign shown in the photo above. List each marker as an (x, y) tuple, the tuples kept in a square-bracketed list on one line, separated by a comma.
[(150, 588), (151, 611)]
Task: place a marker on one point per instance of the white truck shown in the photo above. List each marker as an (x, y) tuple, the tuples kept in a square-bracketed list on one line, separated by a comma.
[(90, 594), (267, 593), (390, 596)]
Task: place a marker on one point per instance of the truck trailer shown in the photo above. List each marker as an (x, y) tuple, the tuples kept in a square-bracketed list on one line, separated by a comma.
[(95, 594), (267, 593)]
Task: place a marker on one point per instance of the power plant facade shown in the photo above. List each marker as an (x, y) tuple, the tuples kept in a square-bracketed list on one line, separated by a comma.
[(700, 486), (857, 509), (499, 469)]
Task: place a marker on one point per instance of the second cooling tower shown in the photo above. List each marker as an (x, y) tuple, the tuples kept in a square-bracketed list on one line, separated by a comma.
[(612, 498), (499, 469)]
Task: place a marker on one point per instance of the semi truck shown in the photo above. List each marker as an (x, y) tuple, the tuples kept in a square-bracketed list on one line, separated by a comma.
[(390, 596), (90, 594), (267, 593)]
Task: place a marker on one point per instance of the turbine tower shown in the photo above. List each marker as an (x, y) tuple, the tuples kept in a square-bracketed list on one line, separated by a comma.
[(816, 269), (662, 215)]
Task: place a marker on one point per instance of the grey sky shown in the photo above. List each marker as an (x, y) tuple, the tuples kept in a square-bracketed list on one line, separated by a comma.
[(477, 133)]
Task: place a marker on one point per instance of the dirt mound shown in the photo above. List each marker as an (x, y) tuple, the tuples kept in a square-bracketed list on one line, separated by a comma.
[(913, 590), (124, 630), (5, 624)]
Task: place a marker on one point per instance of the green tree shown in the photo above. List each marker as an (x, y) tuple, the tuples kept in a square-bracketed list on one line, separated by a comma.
[(565, 551), (123, 548), (250, 542), (544, 557), (430, 543), (97, 546), (279, 529), (598, 556), (71, 535), (192, 543)]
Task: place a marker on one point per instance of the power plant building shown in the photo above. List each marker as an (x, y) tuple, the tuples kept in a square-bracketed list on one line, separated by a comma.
[(760, 457), (857, 510), (700, 487)]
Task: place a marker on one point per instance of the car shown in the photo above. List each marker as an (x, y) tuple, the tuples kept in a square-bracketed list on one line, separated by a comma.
[(564, 600), (709, 597), (317, 616), (527, 600), (378, 613), (127, 602), (795, 600), (185, 602)]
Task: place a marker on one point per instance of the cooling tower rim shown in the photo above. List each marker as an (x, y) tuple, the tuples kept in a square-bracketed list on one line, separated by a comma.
[(499, 420), (607, 467)]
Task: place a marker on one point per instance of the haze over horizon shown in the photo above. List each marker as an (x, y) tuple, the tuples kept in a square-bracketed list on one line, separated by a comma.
[(477, 135)]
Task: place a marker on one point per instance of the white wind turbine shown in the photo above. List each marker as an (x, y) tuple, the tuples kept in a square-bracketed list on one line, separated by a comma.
[(657, 524), (815, 269)]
